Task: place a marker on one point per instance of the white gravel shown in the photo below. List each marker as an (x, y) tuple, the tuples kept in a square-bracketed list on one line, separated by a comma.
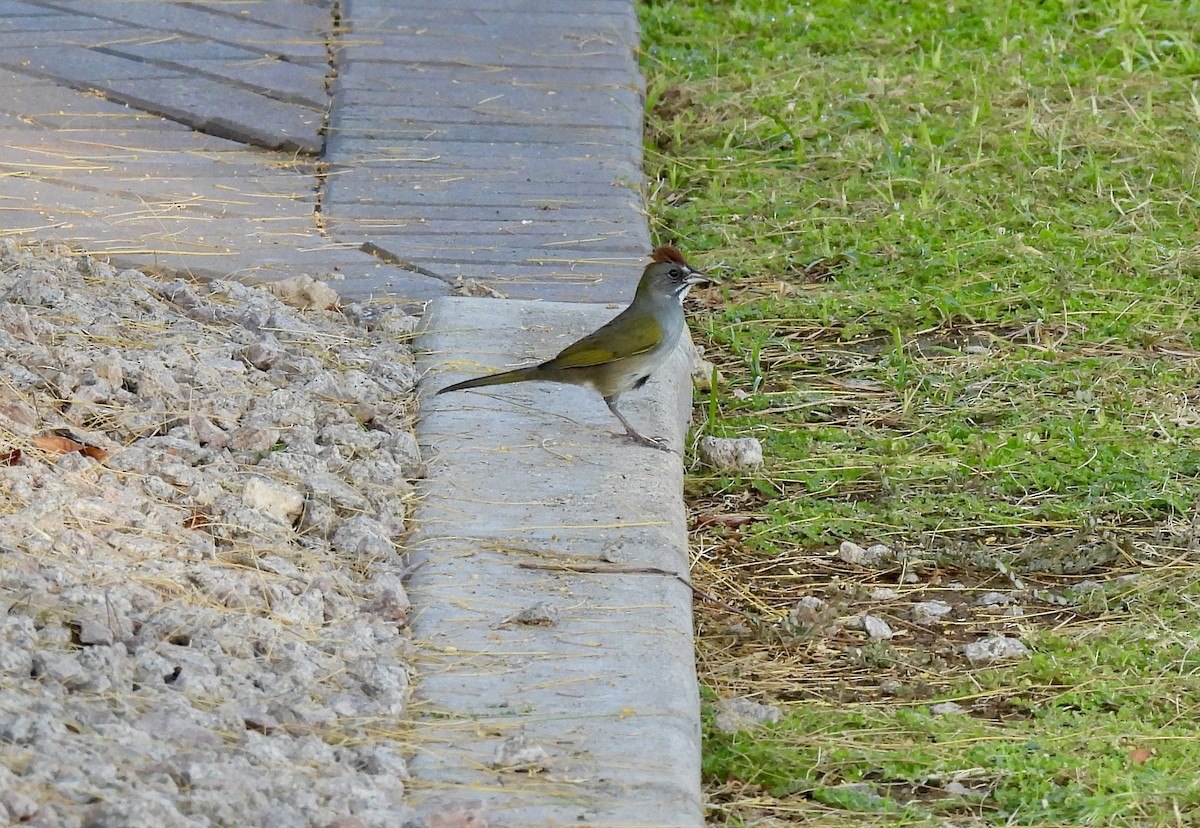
[(205, 621)]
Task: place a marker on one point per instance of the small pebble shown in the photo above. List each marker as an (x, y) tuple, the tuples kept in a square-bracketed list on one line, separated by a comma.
[(877, 629), (961, 790), (702, 373), (520, 753), (811, 613), (305, 292), (740, 714), (874, 555), (861, 791), (281, 502), (928, 612), (540, 614)]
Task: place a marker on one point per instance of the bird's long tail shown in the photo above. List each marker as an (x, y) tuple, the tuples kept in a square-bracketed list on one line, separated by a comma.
[(503, 378)]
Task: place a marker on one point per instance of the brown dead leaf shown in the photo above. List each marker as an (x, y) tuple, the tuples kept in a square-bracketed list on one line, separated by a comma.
[(1140, 756), (197, 520), (10, 458), (59, 444), (56, 444)]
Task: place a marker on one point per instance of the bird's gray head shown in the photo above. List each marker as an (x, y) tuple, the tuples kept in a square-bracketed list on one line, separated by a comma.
[(669, 275)]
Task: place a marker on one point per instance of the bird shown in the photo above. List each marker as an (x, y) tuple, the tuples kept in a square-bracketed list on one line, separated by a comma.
[(621, 355)]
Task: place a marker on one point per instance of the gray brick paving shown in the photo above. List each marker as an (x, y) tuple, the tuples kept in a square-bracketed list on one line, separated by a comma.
[(485, 133), (358, 74), (537, 234), (80, 67), (438, 205), (417, 142), (492, 104), (270, 77), (296, 43), (367, 11), (26, 18), (204, 104), (490, 140), (141, 140), (482, 51), (528, 187)]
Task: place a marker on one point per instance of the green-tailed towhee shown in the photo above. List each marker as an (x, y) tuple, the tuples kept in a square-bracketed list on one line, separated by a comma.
[(622, 354)]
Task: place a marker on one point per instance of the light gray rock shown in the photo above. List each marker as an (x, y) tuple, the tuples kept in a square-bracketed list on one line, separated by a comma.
[(731, 453), (811, 613), (702, 371), (930, 612), (520, 753), (540, 614), (305, 292), (254, 438), (401, 448), (364, 540), (282, 503), (389, 598), (35, 287), (352, 438), (397, 378), (19, 807), (961, 790), (877, 629), (381, 319), (877, 554), (94, 631), (993, 649), (738, 714)]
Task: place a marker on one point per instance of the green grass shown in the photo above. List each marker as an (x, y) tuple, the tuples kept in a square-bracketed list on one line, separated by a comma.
[(960, 248), (1065, 760)]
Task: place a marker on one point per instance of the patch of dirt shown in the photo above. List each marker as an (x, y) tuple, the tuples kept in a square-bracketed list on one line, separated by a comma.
[(793, 626)]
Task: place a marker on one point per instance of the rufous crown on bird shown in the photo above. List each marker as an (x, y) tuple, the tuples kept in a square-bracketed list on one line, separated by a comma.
[(667, 253)]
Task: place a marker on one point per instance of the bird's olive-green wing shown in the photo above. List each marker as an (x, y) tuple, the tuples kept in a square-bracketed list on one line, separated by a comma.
[(621, 338)]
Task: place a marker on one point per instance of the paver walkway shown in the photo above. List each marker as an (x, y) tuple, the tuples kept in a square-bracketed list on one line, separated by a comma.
[(485, 140), (395, 148)]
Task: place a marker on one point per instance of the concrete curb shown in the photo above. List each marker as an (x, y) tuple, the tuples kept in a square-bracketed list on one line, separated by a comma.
[(535, 475)]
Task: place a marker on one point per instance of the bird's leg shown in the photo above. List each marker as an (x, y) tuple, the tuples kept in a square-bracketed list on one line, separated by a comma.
[(633, 432)]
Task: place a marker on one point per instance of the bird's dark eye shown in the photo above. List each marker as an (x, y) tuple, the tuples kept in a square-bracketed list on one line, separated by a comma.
[(675, 273)]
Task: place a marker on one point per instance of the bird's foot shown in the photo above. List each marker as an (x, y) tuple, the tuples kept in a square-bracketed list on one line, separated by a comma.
[(659, 443), (632, 433)]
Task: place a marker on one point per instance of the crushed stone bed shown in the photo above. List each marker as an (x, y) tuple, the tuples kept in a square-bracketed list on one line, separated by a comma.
[(202, 492)]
